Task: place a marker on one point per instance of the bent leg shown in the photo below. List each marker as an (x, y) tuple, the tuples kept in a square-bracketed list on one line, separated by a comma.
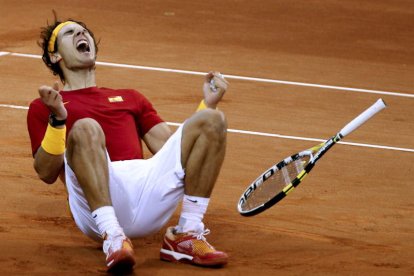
[(203, 150), (203, 146), (86, 155)]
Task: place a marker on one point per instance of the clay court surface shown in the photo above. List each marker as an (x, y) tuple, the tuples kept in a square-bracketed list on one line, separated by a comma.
[(354, 214)]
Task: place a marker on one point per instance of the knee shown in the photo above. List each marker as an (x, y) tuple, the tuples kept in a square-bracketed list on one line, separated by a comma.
[(88, 132), (214, 125)]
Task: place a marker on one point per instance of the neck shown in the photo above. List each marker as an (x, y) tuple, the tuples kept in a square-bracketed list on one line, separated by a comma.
[(78, 79)]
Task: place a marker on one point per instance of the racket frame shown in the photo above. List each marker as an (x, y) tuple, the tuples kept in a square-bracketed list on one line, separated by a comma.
[(320, 150)]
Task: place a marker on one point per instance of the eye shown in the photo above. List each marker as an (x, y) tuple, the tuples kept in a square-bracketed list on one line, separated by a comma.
[(68, 32)]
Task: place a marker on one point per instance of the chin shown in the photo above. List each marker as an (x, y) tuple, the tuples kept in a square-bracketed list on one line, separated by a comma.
[(87, 62)]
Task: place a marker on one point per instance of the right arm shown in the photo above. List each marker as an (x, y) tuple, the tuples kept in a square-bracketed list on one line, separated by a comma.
[(48, 166)]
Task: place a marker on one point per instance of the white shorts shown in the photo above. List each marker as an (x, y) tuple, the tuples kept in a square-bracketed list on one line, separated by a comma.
[(144, 193)]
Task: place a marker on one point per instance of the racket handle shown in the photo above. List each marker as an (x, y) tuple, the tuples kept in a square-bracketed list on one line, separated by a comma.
[(363, 117)]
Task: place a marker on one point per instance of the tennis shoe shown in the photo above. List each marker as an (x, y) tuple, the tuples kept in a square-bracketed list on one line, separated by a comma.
[(190, 248), (119, 252)]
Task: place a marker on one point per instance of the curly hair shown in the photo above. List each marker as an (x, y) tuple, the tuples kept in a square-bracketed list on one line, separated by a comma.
[(46, 33)]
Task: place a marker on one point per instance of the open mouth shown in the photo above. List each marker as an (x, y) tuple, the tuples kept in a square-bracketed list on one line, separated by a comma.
[(83, 46)]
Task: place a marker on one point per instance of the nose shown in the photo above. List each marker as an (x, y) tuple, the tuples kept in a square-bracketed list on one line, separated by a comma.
[(79, 32)]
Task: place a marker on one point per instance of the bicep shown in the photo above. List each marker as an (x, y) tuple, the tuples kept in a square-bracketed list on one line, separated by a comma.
[(156, 137)]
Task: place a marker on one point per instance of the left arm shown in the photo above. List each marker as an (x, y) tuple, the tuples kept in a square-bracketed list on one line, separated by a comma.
[(156, 137), (213, 97)]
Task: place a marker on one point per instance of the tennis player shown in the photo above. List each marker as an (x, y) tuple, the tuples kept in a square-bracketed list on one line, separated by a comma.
[(91, 137)]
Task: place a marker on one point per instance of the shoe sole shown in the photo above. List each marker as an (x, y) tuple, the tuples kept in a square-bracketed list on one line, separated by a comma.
[(175, 257), (122, 261)]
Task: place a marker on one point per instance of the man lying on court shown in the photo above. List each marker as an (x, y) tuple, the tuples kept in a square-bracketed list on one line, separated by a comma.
[(91, 138)]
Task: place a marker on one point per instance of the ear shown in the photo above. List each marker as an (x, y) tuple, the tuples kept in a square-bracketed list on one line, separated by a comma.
[(55, 57)]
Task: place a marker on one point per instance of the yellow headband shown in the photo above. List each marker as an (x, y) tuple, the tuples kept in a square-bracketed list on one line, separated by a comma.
[(52, 40)]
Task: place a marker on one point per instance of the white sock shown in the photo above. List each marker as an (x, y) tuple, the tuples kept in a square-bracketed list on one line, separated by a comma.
[(106, 220), (192, 214)]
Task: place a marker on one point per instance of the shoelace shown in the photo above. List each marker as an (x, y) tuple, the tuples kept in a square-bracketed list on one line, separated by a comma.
[(200, 236), (115, 242)]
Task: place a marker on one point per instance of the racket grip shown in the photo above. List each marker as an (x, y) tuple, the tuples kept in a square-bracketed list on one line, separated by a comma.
[(363, 117)]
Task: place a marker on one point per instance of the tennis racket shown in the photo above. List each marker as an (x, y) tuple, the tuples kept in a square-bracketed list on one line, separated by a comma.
[(279, 180)]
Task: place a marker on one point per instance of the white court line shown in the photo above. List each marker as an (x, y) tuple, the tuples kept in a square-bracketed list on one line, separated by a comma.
[(332, 87), (255, 133), (13, 106)]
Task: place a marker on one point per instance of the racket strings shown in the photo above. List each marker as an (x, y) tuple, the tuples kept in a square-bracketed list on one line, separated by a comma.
[(276, 183)]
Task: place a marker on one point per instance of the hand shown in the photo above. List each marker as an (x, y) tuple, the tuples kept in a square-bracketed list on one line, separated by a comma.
[(53, 100), (213, 96)]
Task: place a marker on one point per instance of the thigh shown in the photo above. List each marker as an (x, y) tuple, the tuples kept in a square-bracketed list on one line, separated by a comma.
[(145, 193)]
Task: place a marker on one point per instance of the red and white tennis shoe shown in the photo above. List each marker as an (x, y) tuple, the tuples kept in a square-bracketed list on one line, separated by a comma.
[(119, 252), (191, 248)]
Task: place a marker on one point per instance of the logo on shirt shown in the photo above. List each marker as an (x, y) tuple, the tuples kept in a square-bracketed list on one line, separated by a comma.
[(115, 99)]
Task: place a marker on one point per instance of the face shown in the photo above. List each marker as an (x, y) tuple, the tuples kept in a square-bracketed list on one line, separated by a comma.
[(76, 48)]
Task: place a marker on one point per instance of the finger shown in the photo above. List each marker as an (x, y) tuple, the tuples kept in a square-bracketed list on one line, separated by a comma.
[(221, 83), (215, 80), (212, 86), (47, 89), (224, 80), (43, 88), (56, 86), (44, 91), (221, 91), (219, 77), (209, 76)]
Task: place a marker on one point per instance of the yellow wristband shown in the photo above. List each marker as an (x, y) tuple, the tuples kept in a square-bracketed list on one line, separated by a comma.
[(201, 106), (54, 140)]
